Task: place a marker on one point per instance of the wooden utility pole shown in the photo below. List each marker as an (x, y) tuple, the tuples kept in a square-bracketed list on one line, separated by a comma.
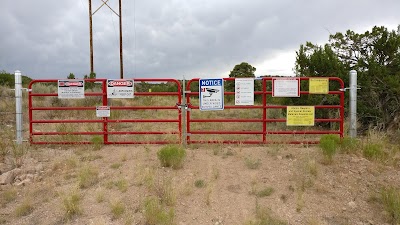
[(91, 37), (120, 34), (120, 42)]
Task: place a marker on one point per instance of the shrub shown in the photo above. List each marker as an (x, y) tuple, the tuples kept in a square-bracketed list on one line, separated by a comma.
[(391, 200), (172, 156), (156, 214), (24, 209), (328, 144), (348, 145), (71, 205), (88, 177), (373, 151), (200, 183), (252, 163), (117, 209)]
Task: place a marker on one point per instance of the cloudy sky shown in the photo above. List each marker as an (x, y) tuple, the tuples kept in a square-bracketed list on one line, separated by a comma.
[(175, 38)]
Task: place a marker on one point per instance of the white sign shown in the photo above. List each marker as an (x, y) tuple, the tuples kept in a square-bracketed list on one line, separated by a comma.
[(211, 94), (244, 91), (286, 87), (103, 111), (71, 88), (120, 88)]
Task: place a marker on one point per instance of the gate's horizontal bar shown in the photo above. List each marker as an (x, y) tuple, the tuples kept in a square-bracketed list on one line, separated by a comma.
[(67, 121), (143, 121)]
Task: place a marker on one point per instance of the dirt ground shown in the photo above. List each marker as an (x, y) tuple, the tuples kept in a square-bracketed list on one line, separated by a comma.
[(217, 185)]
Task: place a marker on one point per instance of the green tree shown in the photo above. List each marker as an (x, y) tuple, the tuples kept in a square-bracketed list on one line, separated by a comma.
[(89, 85), (375, 55), (71, 76), (242, 70)]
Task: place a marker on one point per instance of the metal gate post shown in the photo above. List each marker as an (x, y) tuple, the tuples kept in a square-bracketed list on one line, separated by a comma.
[(18, 106), (353, 103), (183, 110)]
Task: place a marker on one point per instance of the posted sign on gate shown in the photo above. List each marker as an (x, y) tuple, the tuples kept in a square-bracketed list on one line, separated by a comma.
[(211, 94), (244, 91), (120, 88), (71, 88)]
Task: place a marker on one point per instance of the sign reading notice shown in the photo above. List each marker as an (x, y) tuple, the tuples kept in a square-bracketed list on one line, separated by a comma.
[(120, 88), (103, 111), (318, 86), (286, 87), (211, 94), (300, 116), (244, 91), (71, 88)]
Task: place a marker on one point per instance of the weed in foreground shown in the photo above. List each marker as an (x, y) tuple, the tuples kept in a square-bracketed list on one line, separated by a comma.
[(116, 165), (8, 196), (252, 163), (172, 156), (24, 209), (264, 217), (329, 144), (374, 151), (117, 209), (391, 200), (265, 192), (97, 142), (165, 191), (71, 204), (199, 183), (88, 177), (156, 214)]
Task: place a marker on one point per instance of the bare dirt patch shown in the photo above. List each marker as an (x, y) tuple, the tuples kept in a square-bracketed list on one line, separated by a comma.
[(217, 185)]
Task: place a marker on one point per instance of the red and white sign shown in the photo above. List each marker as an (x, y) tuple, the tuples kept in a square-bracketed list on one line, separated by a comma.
[(120, 88), (71, 88), (103, 111), (286, 87)]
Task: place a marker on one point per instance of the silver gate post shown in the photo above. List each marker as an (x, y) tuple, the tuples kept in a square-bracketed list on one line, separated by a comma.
[(183, 110), (18, 105), (353, 103)]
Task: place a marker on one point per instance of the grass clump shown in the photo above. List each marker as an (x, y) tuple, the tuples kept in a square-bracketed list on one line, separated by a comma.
[(116, 165), (97, 142), (391, 201), (199, 183), (122, 185), (172, 156), (117, 209), (252, 163), (8, 196), (88, 177), (373, 151), (264, 192), (24, 209), (329, 144), (71, 204), (264, 217), (165, 191), (156, 214)]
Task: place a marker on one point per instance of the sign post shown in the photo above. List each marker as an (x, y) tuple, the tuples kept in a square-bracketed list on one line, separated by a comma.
[(211, 94)]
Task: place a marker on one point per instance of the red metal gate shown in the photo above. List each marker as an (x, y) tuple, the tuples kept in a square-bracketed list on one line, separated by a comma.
[(73, 121), (265, 128)]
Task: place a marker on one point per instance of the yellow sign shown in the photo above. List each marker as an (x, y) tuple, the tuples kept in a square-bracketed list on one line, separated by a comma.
[(300, 116), (318, 85)]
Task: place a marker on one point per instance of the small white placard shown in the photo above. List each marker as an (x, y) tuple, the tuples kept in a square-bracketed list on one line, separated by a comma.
[(103, 111), (120, 88), (71, 88), (244, 91), (286, 87)]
